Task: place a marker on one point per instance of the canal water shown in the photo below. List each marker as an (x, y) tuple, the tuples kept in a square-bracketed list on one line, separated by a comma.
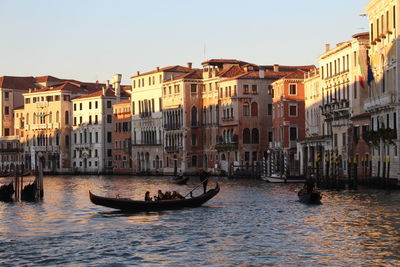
[(249, 223)]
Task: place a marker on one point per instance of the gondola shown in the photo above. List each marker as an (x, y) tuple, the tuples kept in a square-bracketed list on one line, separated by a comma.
[(130, 205), (180, 180), (29, 192), (310, 198), (6, 192)]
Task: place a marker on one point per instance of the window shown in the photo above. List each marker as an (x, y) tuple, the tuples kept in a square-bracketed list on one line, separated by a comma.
[(66, 117), (254, 136), (194, 140), (109, 152), (108, 104), (109, 137), (80, 106), (95, 153), (356, 133), (97, 137), (254, 109), (95, 119), (27, 100), (245, 89), (292, 110), (66, 140), (343, 139), (109, 119), (7, 111), (66, 98), (293, 133), (246, 136), (194, 116), (96, 105), (74, 107), (90, 105), (6, 95), (246, 109), (194, 161), (254, 88), (6, 131), (355, 87), (292, 89), (269, 109)]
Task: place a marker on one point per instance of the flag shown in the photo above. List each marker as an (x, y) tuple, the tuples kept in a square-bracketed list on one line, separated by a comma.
[(361, 69), (370, 73)]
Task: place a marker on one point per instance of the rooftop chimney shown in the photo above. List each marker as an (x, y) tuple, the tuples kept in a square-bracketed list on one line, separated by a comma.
[(138, 73), (158, 69), (276, 67), (189, 64), (117, 84), (107, 84), (104, 91), (327, 47), (261, 73)]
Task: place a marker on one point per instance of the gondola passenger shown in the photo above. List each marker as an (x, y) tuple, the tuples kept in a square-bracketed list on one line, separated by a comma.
[(160, 195), (176, 195), (147, 196)]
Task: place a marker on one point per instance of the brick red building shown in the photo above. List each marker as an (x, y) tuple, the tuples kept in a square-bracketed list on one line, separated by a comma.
[(288, 117), (122, 152)]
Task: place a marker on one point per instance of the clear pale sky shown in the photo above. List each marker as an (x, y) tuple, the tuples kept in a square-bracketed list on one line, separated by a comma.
[(91, 40)]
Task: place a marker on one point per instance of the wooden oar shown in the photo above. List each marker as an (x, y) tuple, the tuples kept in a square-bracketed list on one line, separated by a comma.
[(195, 187)]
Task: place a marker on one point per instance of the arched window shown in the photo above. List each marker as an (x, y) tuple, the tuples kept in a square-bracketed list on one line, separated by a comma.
[(66, 117), (246, 136), (254, 136), (254, 109), (246, 107), (211, 114), (57, 116), (194, 116)]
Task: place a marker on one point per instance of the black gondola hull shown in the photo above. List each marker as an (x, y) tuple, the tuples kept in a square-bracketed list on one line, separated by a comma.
[(6, 192), (139, 206)]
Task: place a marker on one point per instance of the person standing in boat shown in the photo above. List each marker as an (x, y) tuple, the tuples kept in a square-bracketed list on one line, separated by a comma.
[(204, 179)]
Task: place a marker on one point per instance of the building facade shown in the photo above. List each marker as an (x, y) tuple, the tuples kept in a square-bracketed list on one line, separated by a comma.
[(122, 137), (384, 93), (92, 128)]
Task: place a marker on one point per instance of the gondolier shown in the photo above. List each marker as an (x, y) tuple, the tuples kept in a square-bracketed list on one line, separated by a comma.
[(204, 179)]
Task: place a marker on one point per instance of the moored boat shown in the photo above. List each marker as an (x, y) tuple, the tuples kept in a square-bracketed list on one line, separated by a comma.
[(180, 180), (310, 198), (6, 192), (130, 205)]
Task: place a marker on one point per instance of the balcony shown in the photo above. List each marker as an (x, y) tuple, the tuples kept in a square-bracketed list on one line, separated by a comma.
[(379, 102), (171, 127), (292, 144), (172, 149), (226, 146), (146, 114)]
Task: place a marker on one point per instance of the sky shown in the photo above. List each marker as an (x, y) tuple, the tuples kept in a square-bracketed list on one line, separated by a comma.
[(90, 40)]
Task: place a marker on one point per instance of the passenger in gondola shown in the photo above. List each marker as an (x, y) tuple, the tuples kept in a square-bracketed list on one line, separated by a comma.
[(204, 179), (176, 195), (147, 196), (160, 195), (168, 195), (310, 184)]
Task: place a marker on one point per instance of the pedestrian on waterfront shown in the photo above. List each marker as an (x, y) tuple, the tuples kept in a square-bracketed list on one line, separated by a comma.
[(204, 179), (147, 196)]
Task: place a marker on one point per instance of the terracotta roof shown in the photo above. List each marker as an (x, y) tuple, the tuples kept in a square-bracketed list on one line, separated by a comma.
[(47, 78), (223, 61), (288, 68), (194, 74), (109, 92), (298, 74), (22, 83), (175, 68), (128, 101), (64, 86), (360, 116)]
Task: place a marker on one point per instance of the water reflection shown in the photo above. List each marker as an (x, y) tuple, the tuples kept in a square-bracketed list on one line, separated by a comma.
[(247, 223)]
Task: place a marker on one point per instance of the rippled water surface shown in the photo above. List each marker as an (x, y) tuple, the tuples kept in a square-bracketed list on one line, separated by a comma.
[(249, 223)]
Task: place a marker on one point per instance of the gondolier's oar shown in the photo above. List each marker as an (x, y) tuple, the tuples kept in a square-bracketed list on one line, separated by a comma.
[(195, 187)]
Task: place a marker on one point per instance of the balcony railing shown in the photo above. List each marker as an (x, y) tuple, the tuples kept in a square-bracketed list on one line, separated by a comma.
[(226, 146), (170, 127), (379, 102)]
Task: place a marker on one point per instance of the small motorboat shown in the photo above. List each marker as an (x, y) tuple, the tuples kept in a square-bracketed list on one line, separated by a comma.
[(310, 198), (180, 180), (277, 178), (6, 192), (129, 205)]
